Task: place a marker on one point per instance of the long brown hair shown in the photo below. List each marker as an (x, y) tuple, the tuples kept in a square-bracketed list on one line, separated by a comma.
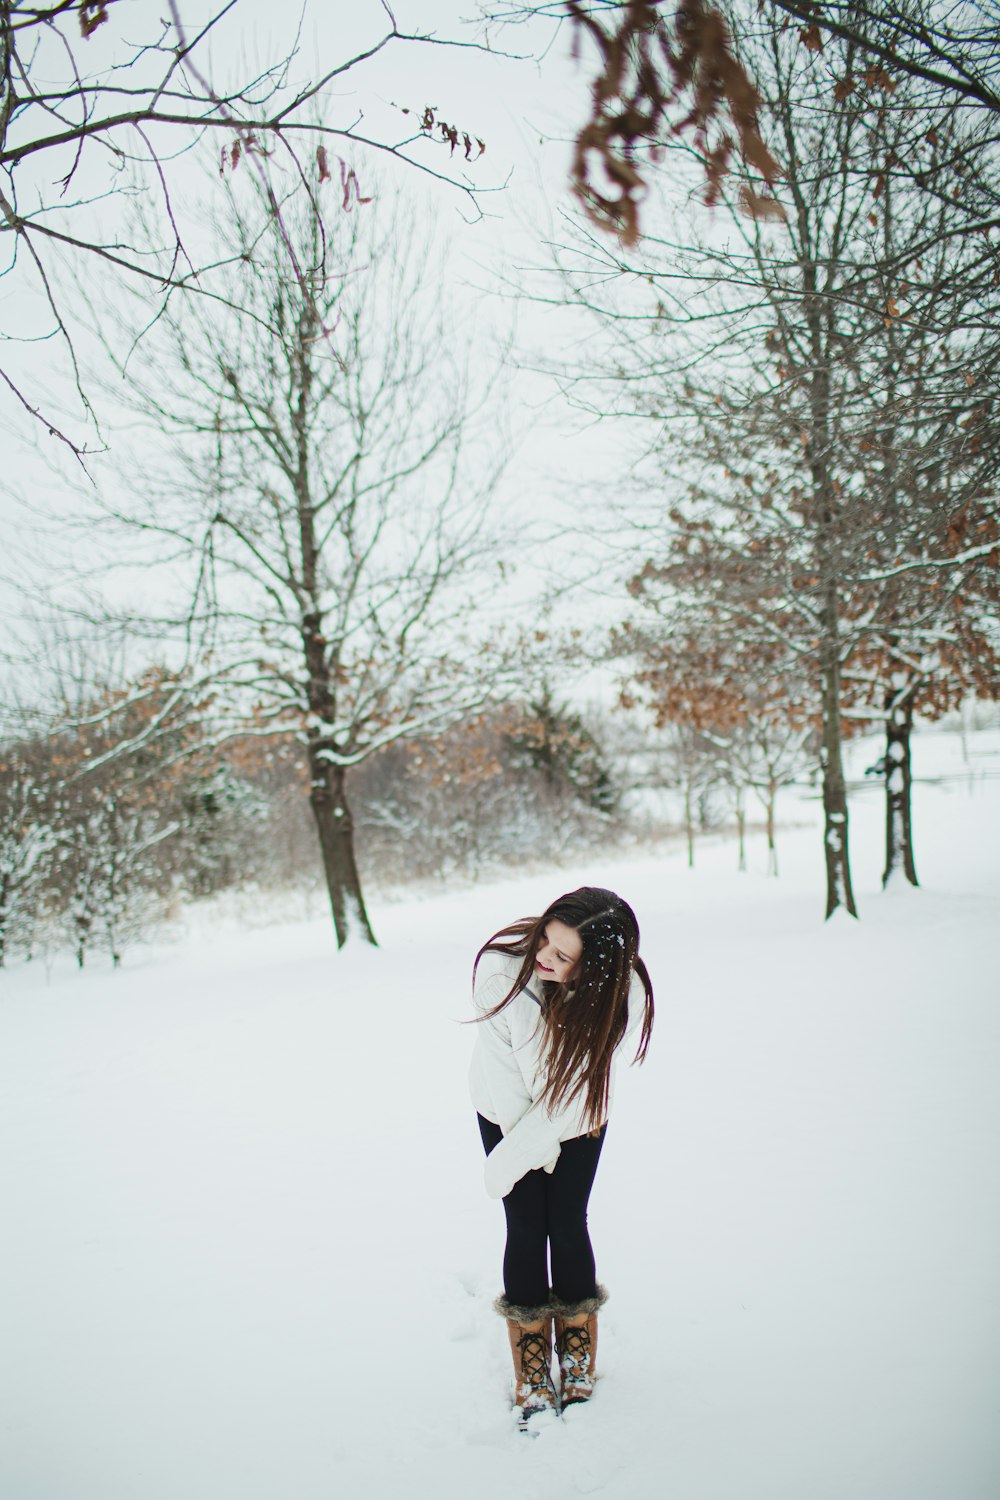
[(585, 1016)]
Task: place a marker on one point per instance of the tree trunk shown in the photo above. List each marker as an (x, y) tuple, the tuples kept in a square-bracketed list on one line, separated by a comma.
[(898, 823), (334, 825), (839, 891), (772, 848), (819, 317), (4, 915), (114, 949), (335, 829), (689, 823), (741, 828)]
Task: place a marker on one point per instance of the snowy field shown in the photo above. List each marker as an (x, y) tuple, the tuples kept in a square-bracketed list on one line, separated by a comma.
[(246, 1252)]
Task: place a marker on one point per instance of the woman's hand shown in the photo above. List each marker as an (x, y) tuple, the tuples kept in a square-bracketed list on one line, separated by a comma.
[(520, 1152)]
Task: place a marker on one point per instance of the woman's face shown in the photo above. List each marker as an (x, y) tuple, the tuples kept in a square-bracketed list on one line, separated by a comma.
[(558, 952)]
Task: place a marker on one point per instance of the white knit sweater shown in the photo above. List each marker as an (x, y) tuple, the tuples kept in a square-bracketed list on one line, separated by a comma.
[(507, 1076)]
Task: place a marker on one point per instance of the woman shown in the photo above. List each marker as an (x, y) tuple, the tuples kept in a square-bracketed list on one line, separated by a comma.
[(557, 997)]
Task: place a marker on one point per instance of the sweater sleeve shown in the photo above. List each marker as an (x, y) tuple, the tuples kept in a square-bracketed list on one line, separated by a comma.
[(496, 1075), (497, 1082), (533, 1142)]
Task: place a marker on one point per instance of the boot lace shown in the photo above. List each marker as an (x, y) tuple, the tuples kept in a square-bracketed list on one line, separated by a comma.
[(534, 1350), (535, 1381), (574, 1355)]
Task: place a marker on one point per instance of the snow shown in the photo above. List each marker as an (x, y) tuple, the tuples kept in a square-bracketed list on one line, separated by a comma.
[(247, 1253)]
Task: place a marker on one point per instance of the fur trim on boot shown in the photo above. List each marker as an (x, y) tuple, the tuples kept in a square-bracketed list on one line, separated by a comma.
[(580, 1309), (517, 1313)]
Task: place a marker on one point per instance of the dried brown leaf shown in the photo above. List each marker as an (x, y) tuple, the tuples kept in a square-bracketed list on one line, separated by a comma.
[(93, 13), (878, 78), (758, 206)]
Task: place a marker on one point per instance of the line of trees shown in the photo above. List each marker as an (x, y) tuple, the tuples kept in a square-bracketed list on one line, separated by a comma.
[(105, 827), (97, 840)]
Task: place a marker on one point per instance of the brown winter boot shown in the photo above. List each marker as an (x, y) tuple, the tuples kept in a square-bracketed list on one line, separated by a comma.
[(576, 1346), (530, 1331)]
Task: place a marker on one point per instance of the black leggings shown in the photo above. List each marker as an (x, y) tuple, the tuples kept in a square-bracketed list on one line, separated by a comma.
[(547, 1211)]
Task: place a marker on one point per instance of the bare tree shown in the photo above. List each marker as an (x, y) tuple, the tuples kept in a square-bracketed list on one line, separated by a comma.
[(928, 447), (86, 108), (93, 109), (951, 47), (766, 754), (330, 495), (745, 697), (772, 355), (926, 661), (673, 73), (27, 837), (656, 74)]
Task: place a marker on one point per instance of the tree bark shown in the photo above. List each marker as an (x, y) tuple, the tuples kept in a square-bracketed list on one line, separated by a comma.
[(327, 797), (898, 821), (828, 544), (839, 891), (741, 829), (689, 823), (335, 829), (772, 848)]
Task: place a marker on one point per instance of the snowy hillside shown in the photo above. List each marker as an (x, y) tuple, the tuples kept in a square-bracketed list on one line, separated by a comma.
[(247, 1254)]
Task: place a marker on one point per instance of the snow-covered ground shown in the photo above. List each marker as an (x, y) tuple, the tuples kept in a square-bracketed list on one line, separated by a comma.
[(246, 1253)]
